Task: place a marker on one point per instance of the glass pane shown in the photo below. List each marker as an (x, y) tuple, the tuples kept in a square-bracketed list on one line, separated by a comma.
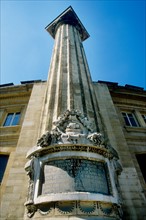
[(141, 158), (16, 118), (132, 120), (3, 163), (8, 119), (130, 115), (144, 118), (126, 119)]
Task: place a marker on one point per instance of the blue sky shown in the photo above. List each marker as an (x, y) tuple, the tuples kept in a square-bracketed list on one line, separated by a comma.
[(115, 49)]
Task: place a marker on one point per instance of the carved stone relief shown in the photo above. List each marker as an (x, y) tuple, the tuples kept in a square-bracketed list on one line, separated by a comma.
[(80, 209), (71, 128), (31, 208), (72, 132), (45, 140), (29, 167)]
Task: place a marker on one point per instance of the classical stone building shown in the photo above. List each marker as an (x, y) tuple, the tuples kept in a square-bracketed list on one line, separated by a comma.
[(72, 148)]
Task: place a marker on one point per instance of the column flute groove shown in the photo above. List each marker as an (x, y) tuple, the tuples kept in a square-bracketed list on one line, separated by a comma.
[(52, 79), (89, 86), (80, 78), (70, 79), (58, 95)]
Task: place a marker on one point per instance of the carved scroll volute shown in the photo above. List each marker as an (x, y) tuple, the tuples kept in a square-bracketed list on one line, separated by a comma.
[(29, 168)]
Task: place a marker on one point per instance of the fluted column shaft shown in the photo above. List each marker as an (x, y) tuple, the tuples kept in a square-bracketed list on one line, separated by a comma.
[(69, 84)]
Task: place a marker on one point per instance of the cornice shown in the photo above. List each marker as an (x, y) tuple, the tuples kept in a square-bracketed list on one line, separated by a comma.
[(19, 90), (140, 96), (127, 105), (15, 96), (67, 17)]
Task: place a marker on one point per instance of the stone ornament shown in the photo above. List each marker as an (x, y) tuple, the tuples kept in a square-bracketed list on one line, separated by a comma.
[(117, 166), (79, 208), (45, 140), (71, 128), (45, 209), (106, 208), (29, 168), (72, 132), (87, 207), (96, 138), (31, 209), (65, 207)]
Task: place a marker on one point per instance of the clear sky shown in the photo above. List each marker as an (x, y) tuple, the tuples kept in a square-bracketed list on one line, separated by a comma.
[(115, 50)]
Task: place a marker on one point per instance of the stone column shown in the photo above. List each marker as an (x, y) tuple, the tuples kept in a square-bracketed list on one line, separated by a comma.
[(69, 84), (73, 172)]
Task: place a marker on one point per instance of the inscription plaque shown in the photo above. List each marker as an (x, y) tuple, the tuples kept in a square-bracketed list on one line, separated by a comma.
[(75, 175)]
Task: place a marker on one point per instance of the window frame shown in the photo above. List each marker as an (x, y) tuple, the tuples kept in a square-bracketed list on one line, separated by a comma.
[(13, 121), (128, 119), (144, 117), (140, 165), (5, 168)]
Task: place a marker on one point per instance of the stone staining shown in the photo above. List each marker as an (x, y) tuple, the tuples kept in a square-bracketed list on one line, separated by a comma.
[(72, 127), (106, 208), (45, 140), (72, 170), (45, 209), (65, 207), (81, 208), (58, 183), (78, 175), (69, 83), (87, 207)]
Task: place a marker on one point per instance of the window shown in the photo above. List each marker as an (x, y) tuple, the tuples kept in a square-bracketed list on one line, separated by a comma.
[(144, 118), (130, 120), (12, 119), (141, 158), (3, 164)]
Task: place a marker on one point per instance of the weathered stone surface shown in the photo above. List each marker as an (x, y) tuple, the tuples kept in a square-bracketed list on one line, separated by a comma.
[(74, 175), (70, 87)]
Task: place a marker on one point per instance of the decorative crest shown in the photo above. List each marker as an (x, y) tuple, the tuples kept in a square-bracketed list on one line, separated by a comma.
[(71, 128)]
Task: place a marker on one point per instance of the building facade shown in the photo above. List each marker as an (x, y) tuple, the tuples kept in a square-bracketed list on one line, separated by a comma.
[(72, 148)]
